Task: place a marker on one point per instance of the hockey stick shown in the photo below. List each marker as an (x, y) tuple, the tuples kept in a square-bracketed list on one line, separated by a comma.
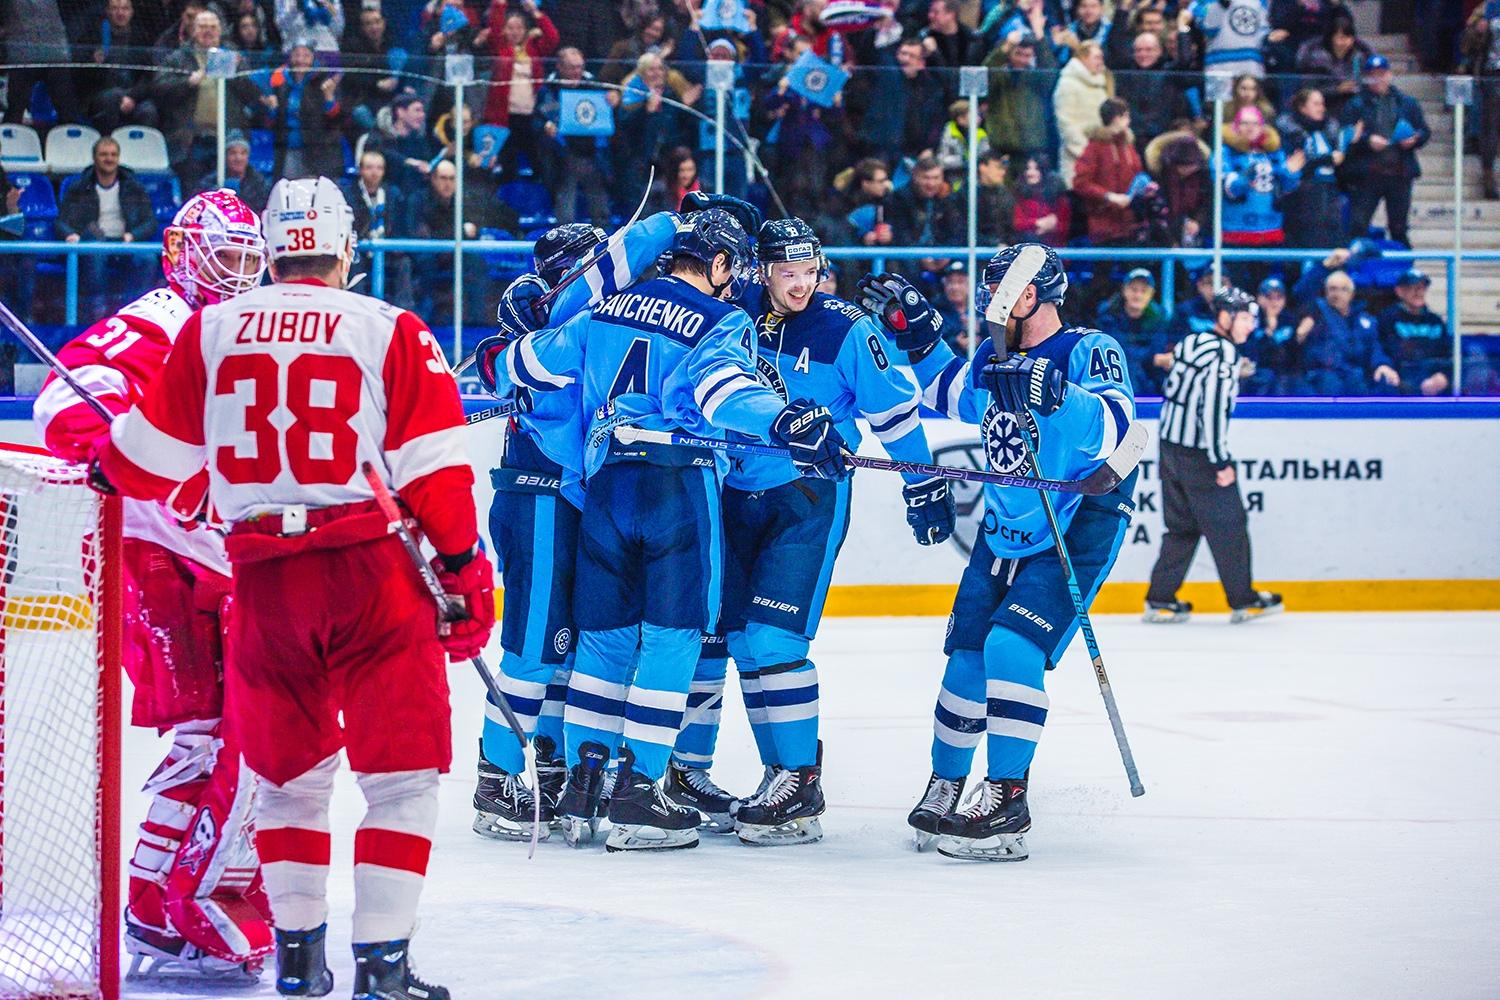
[(1025, 269), (1101, 481), (451, 610), (615, 239), (490, 412), (34, 344)]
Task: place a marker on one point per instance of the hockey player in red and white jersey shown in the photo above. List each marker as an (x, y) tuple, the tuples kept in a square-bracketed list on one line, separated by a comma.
[(195, 898), (283, 393)]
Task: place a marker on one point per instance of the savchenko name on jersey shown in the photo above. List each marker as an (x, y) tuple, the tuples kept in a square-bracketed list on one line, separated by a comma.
[(648, 310)]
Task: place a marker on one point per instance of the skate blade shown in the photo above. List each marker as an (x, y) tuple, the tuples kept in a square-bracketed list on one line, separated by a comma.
[(629, 837), (1251, 614), (1165, 617), (579, 832), (493, 827), (921, 840), (1000, 847), (806, 830), (151, 966)]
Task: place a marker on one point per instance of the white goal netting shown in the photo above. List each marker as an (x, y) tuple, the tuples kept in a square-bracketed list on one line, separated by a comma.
[(55, 754)]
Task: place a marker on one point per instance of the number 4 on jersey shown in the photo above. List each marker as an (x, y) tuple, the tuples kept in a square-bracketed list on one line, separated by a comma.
[(631, 376)]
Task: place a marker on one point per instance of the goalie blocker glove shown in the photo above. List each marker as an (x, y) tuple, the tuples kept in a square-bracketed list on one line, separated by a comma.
[(470, 578), (905, 313), (1022, 383), (930, 510), (807, 431)]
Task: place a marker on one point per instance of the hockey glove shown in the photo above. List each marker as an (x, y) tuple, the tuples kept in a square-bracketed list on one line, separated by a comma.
[(807, 431), (930, 510), (471, 580), (488, 357), (748, 215), (77, 432), (521, 309), (1021, 383), (906, 314)]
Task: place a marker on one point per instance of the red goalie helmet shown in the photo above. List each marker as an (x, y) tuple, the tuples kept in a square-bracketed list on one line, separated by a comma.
[(213, 250)]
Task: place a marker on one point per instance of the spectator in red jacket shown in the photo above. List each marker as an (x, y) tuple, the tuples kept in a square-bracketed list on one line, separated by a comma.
[(520, 40), (1042, 209), (1105, 171)]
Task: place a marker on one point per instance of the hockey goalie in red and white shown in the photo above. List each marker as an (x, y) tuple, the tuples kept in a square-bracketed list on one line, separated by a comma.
[(195, 900), (284, 393)]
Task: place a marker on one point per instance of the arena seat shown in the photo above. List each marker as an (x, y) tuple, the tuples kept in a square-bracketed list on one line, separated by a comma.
[(20, 148), (531, 201), (70, 148), (142, 149), (263, 150), (166, 195), (37, 203)]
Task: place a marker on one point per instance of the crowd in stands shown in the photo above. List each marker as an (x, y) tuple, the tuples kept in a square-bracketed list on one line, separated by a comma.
[(1097, 129)]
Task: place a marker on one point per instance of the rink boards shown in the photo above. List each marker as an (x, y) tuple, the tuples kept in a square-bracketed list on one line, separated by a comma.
[(1354, 505)]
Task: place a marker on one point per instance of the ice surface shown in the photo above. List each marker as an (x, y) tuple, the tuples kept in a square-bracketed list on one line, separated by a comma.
[(1321, 820)]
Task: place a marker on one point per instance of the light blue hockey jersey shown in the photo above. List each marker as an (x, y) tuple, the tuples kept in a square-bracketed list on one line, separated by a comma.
[(1074, 441), (832, 352), (662, 356)]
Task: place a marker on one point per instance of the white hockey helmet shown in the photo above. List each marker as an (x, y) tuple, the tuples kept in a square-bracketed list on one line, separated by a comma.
[(308, 218), (213, 249)]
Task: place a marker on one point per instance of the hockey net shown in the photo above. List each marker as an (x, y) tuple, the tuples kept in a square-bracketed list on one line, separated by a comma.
[(60, 726)]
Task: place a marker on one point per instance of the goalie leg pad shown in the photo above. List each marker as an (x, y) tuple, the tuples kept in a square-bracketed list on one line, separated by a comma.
[(391, 848), (173, 648)]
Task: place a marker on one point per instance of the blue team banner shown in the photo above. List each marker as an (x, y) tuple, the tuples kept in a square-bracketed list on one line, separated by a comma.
[(488, 141), (724, 15), (585, 112), (816, 79)]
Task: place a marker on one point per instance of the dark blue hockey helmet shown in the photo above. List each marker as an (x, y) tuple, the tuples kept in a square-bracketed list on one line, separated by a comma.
[(705, 235), (783, 241), (563, 246), (1050, 279)]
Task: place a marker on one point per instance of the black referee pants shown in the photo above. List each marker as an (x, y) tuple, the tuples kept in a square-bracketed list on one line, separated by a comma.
[(1195, 506)]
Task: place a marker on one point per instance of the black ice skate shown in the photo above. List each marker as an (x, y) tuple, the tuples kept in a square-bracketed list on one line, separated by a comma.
[(301, 967), (767, 776), (168, 958), (788, 811), (578, 809), (641, 816), (382, 972), (991, 826), (940, 799), (1167, 612), (551, 775), (1265, 603), (504, 808), (692, 788)]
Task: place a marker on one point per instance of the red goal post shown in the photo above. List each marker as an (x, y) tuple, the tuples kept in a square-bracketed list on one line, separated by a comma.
[(60, 726)]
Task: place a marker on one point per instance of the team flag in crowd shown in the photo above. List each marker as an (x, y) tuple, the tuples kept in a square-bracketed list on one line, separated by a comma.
[(488, 141), (816, 79), (724, 15), (585, 112)]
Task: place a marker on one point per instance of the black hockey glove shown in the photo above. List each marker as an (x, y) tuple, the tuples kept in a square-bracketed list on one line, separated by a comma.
[(748, 215), (930, 510), (1021, 383), (910, 318), (807, 430), (520, 309)]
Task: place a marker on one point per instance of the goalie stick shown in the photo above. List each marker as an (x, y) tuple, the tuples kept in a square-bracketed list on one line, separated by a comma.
[(1108, 476), (615, 239), (34, 344), (1020, 274), (450, 610)]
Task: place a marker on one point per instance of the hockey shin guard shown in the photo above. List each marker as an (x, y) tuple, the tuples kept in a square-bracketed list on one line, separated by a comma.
[(695, 744), (658, 696), (595, 710), (959, 719), (391, 848), (524, 683), (1016, 702), (550, 722), (755, 704), (292, 836), (789, 691)]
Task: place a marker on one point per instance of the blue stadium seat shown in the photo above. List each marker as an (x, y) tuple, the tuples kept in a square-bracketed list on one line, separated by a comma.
[(531, 201), (166, 195), (42, 111), (351, 169), (263, 150), (38, 204)]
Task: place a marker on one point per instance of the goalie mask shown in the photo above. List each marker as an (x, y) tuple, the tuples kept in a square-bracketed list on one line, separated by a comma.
[(213, 249), (309, 218)]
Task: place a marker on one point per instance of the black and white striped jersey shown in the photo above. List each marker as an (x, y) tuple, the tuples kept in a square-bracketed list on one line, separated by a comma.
[(1199, 394)]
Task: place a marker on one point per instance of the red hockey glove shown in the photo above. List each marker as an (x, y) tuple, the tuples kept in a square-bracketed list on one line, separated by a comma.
[(472, 583), (75, 433)]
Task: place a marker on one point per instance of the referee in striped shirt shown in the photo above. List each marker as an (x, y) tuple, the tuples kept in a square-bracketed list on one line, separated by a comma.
[(1200, 497)]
